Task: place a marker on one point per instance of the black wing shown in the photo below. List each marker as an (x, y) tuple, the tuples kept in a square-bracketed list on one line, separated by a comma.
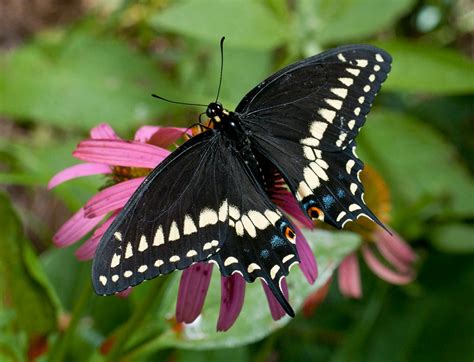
[(304, 119), (201, 204)]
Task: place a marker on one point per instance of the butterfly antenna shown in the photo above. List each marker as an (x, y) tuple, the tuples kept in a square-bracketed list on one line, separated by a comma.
[(222, 67), (185, 103)]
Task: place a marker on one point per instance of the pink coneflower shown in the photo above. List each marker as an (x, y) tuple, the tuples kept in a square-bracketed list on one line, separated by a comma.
[(126, 164)]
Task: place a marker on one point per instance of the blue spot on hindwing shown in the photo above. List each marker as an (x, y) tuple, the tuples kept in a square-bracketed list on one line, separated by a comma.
[(328, 201), (277, 241), (265, 253), (340, 193)]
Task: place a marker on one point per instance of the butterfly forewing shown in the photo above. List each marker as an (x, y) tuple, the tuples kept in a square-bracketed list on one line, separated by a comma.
[(304, 119), (200, 200)]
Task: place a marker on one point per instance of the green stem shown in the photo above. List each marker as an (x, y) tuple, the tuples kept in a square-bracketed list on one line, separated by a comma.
[(125, 332), (61, 345)]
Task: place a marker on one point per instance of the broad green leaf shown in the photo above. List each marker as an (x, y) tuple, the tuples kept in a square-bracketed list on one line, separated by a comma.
[(79, 81), (422, 68), (23, 281), (330, 22), (417, 162), (453, 238), (245, 24), (254, 322)]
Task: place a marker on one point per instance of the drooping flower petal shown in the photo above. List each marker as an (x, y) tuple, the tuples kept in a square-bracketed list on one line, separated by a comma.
[(382, 271), (349, 277), (307, 260), (82, 169), (392, 258), (112, 198), (87, 250), (120, 153), (288, 203), (232, 300), (75, 228), (396, 245), (159, 136), (192, 291), (276, 309), (103, 132)]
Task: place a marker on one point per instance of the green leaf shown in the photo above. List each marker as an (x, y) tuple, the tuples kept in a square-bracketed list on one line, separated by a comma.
[(22, 279), (453, 238), (64, 273), (245, 24), (417, 163), (330, 22), (254, 322), (79, 80), (422, 68)]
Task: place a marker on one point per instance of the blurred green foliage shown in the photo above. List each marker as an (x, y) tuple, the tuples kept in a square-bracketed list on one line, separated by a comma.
[(59, 82)]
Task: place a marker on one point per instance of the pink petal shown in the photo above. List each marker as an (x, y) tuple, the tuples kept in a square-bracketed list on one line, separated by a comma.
[(74, 229), (232, 300), (396, 244), (103, 132), (382, 271), (288, 203), (124, 293), (144, 133), (112, 198), (120, 153), (82, 169), (167, 136), (349, 277), (307, 260), (393, 259), (87, 250), (192, 291), (276, 309), (159, 136)]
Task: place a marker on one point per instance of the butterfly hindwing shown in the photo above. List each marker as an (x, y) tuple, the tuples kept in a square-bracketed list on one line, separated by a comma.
[(304, 119), (264, 245)]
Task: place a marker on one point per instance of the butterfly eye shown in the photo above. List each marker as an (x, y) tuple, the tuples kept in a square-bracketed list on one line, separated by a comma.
[(210, 112), (314, 212), (290, 234)]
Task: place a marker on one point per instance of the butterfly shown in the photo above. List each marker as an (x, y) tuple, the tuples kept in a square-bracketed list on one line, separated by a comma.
[(210, 201)]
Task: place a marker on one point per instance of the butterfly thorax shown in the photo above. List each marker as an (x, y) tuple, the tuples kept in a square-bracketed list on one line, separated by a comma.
[(230, 125)]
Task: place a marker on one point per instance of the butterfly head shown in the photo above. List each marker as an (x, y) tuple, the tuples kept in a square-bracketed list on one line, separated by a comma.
[(215, 112)]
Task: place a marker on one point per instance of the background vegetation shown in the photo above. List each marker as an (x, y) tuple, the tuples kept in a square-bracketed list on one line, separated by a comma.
[(67, 66)]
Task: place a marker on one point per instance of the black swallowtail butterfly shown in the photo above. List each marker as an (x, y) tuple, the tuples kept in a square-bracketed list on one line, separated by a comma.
[(209, 202)]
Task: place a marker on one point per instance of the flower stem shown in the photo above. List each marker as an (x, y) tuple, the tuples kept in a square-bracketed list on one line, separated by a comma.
[(125, 332), (59, 348)]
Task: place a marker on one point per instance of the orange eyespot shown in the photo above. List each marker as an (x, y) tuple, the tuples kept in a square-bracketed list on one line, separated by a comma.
[(314, 212), (290, 234)]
